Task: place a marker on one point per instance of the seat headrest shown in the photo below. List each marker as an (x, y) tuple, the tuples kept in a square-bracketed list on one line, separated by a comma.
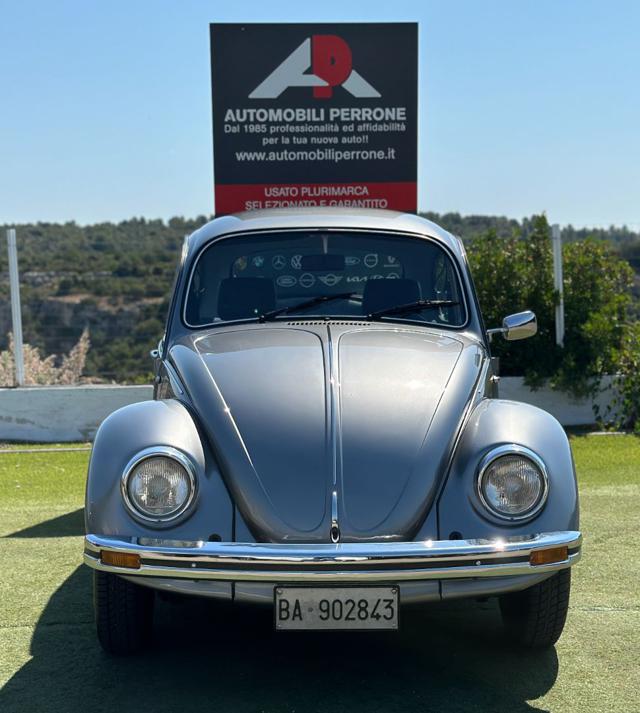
[(243, 297), (380, 294)]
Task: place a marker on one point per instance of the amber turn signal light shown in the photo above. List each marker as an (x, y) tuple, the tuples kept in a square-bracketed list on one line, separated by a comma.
[(553, 554), (120, 559)]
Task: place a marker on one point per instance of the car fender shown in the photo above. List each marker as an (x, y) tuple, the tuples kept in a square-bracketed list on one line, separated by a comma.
[(496, 422), (119, 439)]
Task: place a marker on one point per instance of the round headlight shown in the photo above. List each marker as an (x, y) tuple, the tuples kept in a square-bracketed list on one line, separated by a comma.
[(159, 484), (512, 482)]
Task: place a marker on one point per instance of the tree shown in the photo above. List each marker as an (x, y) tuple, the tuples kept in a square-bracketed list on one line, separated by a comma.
[(516, 273)]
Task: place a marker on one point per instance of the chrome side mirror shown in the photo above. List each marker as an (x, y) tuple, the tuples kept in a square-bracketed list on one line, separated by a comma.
[(157, 352), (517, 326)]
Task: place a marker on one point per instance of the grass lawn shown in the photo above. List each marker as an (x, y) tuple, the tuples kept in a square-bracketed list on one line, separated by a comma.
[(215, 658)]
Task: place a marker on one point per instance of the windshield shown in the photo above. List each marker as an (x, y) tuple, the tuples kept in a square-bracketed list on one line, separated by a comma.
[(353, 275)]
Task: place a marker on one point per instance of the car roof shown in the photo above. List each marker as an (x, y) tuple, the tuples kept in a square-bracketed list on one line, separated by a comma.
[(319, 218)]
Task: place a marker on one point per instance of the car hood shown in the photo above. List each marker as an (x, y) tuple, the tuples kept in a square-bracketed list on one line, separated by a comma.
[(298, 412)]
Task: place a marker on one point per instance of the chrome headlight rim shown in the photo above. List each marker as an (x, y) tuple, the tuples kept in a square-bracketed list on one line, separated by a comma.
[(518, 450), (151, 452)]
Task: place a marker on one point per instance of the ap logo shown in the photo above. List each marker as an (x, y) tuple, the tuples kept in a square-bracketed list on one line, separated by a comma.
[(329, 58)]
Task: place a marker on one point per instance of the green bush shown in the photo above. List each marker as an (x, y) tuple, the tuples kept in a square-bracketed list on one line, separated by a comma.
[(624, 412), (513, 274)]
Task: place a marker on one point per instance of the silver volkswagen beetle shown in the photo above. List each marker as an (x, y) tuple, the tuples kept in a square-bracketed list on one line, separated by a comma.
[(327, 439)]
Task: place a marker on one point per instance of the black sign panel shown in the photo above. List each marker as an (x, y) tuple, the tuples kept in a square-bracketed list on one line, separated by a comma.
[(315, 114)]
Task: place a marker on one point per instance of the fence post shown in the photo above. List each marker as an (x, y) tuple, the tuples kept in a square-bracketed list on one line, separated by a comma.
[(16, 314), (558, 282)]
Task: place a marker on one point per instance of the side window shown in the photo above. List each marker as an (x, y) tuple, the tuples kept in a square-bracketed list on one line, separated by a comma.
[(174, 295), (446, 287), (440, 277)]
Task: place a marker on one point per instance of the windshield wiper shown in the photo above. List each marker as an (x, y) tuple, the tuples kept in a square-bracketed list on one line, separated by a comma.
[(416, 306), (272, 314)]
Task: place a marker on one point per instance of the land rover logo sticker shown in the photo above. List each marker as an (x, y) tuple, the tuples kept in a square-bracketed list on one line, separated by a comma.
[(286, 281), (317, 114)]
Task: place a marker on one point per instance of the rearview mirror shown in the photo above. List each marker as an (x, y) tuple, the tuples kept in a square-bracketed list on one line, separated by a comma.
[(517, 326), (323, 263)]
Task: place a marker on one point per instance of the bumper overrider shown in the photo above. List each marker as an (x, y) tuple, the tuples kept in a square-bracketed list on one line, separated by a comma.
[(348, 562)]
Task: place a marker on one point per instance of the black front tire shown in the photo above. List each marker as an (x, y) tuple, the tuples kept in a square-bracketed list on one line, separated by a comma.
[(123, 612), (535, 617)]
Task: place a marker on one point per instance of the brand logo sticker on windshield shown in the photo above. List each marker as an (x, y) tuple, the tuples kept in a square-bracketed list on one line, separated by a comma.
[(330, 280), (286, 281)]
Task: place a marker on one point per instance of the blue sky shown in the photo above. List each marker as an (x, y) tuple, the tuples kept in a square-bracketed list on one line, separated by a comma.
[(105, 107)]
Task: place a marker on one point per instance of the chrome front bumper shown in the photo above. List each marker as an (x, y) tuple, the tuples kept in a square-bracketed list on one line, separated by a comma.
[(349, 562)]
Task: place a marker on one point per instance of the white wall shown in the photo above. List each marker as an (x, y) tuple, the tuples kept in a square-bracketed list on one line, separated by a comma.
[(62, 413), (73, 413), (569, 411)]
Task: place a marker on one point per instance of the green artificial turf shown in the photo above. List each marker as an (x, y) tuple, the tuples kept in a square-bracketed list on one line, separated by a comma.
[(215, 658)]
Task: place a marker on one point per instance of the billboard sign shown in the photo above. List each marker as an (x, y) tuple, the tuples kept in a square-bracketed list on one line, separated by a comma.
[(315, 115)]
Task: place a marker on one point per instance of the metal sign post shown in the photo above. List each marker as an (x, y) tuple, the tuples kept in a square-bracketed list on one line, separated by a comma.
[(557, 282), (16, 315)]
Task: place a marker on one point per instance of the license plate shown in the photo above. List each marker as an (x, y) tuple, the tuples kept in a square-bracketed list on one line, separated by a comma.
[(336, 608)]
